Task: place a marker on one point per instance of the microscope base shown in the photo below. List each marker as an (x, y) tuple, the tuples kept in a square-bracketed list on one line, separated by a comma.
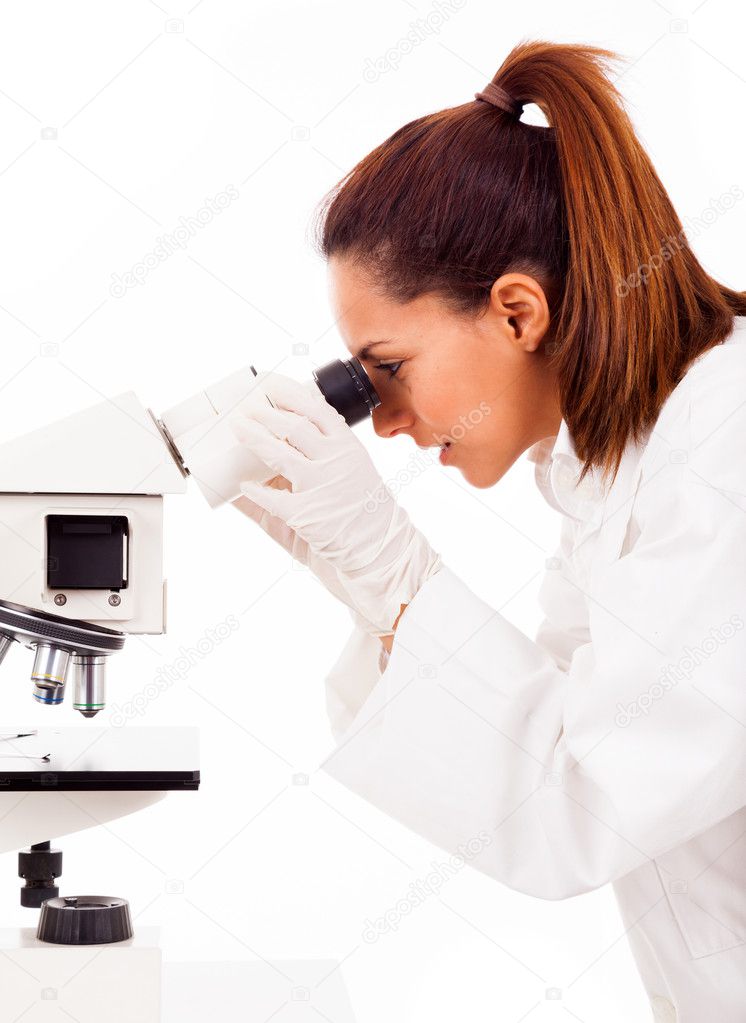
[(119, 982)]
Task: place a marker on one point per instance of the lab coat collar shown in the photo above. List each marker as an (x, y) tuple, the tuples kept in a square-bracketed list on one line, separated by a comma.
[(560, 443), (557, 468)]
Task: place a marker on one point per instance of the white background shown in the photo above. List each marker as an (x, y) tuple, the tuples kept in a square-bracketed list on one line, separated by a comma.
[(150, 120)]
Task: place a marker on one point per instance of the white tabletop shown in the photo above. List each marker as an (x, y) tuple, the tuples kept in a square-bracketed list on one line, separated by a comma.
[(283, 991)]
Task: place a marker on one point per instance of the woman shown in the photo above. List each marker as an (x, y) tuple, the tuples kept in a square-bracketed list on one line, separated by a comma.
[(514, 288)]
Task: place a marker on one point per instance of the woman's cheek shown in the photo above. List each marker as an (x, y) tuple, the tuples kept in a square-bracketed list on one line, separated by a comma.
[(440, 420)]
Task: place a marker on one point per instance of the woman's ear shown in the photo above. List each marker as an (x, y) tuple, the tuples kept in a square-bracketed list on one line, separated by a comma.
[(520, 303)]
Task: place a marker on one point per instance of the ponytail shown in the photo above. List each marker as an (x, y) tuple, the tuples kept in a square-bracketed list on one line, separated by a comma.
[(455, 199)]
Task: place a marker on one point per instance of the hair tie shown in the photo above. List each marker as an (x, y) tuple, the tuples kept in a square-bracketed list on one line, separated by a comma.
[(498, 97)]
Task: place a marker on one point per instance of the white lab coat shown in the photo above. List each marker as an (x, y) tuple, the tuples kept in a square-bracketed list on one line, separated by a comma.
[(612, 748)]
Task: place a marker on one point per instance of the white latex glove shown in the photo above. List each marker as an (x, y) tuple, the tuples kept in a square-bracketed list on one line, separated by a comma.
[(298, 549), (338, 505)]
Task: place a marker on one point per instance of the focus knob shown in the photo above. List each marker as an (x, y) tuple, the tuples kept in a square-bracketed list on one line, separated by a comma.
[(84, 920)]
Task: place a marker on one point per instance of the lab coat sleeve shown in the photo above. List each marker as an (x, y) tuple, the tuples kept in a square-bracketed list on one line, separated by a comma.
[(363, 658), (352, 677), (554, 781)]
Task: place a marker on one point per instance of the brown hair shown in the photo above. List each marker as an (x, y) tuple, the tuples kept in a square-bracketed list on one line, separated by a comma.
[(455, 199)]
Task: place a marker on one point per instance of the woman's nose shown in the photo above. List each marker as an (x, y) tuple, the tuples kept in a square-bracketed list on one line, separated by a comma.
[(390, 418)]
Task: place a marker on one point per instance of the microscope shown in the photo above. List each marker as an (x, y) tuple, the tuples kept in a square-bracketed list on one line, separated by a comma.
[(81, 522)]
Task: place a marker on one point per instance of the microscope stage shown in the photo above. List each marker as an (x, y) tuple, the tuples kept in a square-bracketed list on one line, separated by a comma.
[(99, 759)]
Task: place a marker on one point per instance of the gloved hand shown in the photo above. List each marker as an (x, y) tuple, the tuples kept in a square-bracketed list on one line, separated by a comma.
[(338, 505), (298, 549)]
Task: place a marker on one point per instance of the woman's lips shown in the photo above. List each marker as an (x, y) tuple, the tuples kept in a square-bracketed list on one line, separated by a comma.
[(444, 453)]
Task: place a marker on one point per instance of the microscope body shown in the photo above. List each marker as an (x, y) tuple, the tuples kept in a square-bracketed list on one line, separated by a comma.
[(81, 531), (81, 506), (81, 516)]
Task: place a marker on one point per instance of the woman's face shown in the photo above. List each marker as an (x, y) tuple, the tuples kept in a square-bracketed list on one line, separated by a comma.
[(481, 385)]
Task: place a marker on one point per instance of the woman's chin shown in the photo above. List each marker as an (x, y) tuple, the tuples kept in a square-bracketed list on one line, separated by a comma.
[(482, 476), (479, 478)]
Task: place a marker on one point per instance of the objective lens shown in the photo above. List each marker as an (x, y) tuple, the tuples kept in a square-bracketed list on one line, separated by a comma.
[(49, 672), (6, 642), (89, 683), (348, 389)]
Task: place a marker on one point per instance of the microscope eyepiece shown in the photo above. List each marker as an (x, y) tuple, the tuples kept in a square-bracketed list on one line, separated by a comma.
[(198, 432), (348, 389)]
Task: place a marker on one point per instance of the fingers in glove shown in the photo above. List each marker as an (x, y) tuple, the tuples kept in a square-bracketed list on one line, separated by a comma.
[(279, 482), (259, 515), (277, 503), (249, 509), (274, 527), (289, 394), (277, 454), (295, 428)]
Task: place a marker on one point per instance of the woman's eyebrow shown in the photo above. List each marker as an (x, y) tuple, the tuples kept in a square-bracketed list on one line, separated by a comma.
[(365, 350)]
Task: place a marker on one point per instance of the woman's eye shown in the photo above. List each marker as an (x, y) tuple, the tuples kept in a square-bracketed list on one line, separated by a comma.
[(392, 367)]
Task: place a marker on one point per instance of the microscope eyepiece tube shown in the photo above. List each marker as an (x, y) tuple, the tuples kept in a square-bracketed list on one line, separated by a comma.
[(49, 673), (198, 434)]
